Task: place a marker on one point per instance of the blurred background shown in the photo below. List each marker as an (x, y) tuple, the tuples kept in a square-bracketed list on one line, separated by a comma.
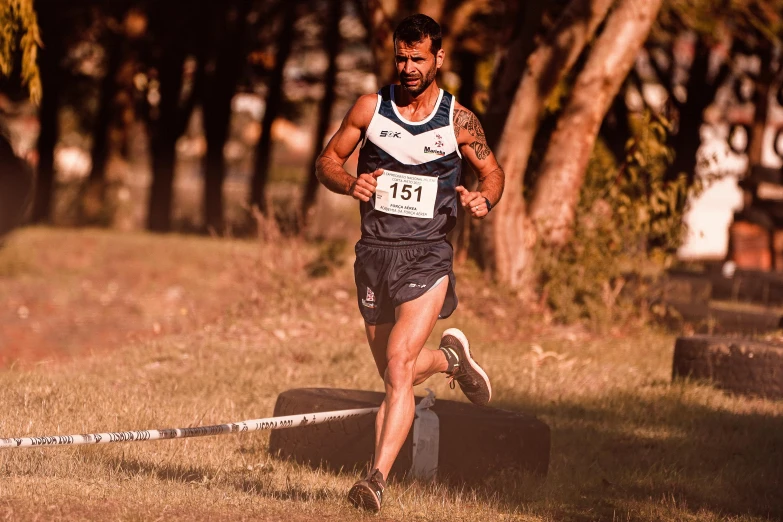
[(167, 257), (648, 133)]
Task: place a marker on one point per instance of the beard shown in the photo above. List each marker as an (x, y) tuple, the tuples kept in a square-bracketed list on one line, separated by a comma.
[(424, 81)]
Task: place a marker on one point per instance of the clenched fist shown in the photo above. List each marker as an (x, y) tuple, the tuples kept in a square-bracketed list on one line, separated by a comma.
[(364, 186)]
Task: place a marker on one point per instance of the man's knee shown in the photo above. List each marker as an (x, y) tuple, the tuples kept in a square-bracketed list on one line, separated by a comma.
[(399, 372)]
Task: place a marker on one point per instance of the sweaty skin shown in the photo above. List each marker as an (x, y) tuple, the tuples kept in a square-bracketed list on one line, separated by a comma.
[(398, 348)]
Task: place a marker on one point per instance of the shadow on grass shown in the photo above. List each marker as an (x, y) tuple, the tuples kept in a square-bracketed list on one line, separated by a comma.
[(629, 454), (620, 456), (211, 477)]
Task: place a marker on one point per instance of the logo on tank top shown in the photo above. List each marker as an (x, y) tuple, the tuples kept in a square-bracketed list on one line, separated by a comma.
[(390, 134), (438, 145)]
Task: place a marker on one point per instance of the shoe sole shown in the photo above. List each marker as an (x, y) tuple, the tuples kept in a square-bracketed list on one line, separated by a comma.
[(363, 497), (456, 332)]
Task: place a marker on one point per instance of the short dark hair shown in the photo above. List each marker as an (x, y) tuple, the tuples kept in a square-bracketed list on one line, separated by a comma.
[(416, 28)]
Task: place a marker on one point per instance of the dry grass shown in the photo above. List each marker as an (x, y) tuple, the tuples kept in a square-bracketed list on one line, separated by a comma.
[(245, 321)]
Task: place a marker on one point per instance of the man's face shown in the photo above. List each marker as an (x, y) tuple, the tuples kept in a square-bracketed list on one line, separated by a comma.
[(416, 65)]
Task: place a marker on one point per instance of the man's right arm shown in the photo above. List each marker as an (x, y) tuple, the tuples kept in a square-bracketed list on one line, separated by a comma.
[(329, 165)]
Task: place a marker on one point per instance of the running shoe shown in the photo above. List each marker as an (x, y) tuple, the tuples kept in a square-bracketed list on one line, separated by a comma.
[(368, 493), (472, 379)]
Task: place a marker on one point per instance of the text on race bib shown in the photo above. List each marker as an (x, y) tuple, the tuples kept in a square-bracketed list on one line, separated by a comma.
[(406, 194)]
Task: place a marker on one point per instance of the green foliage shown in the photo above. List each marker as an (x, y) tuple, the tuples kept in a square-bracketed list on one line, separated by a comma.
[(743, 18), (19, 31), (628, 226)]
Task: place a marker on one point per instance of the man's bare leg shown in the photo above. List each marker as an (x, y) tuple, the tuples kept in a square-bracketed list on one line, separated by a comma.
[(428, 363), (404, 348)]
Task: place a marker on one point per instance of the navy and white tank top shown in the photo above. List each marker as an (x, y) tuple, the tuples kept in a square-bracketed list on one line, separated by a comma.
[(416, 200)]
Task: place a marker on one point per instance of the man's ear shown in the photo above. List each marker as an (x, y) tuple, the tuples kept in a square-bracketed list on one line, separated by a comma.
[(440, 57)]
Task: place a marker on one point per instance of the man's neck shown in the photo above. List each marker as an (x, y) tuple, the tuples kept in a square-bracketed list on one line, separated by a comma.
[(424, 100)]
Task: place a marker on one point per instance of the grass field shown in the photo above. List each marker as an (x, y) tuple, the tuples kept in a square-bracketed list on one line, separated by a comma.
[(102, 331)]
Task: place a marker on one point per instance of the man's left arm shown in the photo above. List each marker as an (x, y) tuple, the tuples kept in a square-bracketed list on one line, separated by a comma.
[(473, 145)]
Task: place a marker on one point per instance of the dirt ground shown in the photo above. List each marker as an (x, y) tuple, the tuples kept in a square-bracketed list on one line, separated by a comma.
[(86, 293)]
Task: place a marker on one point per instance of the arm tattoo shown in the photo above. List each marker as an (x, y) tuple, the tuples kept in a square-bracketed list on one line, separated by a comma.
[(464, 119), (468, 121), (481, 149), (460, 121)]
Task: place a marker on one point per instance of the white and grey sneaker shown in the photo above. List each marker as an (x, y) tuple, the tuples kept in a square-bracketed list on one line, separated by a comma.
[(472, 379)]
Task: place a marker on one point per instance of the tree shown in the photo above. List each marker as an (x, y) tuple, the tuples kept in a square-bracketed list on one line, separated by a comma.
[(702, 84), (20, 25), (560, 179), (512, 60), (507, 239), (94, 192), (222, 84), (720, 30), (51, 79), (16, 184), (273, 102), (331, 39), (764, 81), (383, 16), (20, 32), (178, 28)]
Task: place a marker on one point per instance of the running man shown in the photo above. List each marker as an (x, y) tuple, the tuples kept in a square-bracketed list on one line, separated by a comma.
[(413, 138)]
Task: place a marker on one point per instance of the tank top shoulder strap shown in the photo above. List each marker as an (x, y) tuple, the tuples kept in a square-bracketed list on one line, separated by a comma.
[(446, 108), (447, 100), (366, 133)]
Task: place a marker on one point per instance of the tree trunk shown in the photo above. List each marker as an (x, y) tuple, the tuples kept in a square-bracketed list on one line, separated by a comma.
[(273, 101), (506, 236), (468, 63), (382, 14), (51, 80), (94, 194), (701, 91), (217, 108), (563, 168), (163, 139), (332, 45), (16, 185), (510, 68), (178, 28), (432, 8), (615, 129), (161, 196), (761, 104)]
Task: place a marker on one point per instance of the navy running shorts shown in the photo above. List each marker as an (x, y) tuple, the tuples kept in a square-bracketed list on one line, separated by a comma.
[(389, 273)]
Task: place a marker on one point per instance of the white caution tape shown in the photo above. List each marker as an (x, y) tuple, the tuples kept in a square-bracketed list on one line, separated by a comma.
[(426, 437), (271, 423)]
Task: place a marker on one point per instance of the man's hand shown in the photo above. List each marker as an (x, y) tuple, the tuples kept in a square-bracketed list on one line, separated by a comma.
[(364, 186), (473, 202)]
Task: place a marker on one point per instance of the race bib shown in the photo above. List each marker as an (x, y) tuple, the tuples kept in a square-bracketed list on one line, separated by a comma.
[(406, 194)]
